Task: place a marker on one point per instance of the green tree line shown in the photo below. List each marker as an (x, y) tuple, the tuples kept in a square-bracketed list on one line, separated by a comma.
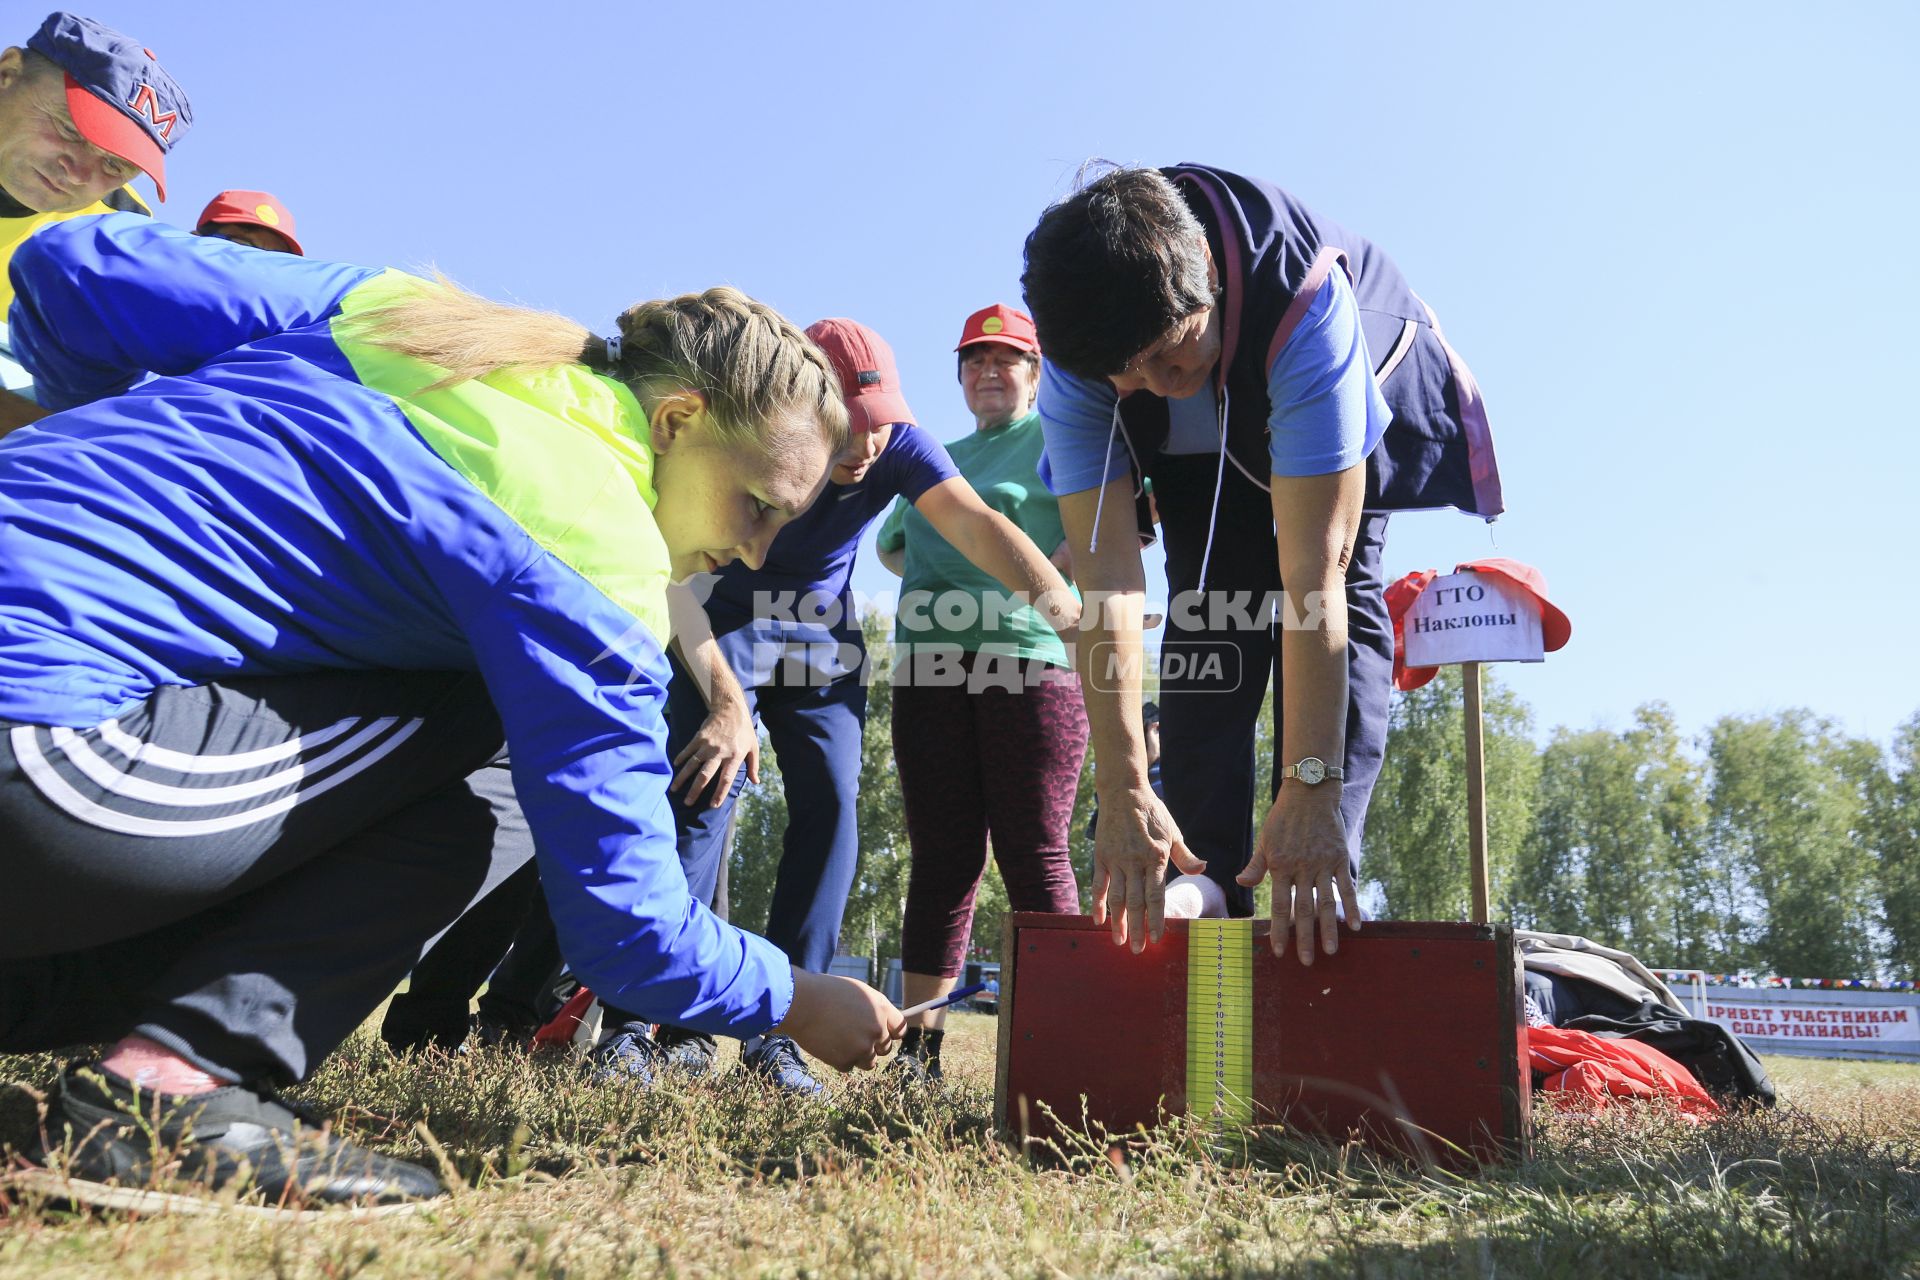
[(1768, 843)]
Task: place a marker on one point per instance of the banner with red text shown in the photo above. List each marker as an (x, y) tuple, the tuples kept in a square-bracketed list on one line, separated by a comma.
[(1820, 1026)]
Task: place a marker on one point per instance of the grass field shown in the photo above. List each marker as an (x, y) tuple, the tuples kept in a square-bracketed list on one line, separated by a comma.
[(721, 1178)]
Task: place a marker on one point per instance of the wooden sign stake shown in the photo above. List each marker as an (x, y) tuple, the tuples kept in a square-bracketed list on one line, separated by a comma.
[(1476, 794)]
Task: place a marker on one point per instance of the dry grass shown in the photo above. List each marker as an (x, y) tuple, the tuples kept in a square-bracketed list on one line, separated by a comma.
[(566, 1180)]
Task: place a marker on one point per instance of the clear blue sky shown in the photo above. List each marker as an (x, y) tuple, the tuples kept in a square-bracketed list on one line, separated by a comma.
[(1676, 242)]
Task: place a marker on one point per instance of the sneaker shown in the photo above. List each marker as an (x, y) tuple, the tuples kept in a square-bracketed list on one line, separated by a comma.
[(907, 1070), (627, 1053), (690, 1053), (779, 1059), (110, 1144), (919, 1055)]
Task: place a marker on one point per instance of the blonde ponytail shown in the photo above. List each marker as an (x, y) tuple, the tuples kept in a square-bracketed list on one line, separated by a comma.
[(760, 375)]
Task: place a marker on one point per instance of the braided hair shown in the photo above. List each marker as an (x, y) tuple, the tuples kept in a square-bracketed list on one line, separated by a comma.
[(759, 374), (749, 361)]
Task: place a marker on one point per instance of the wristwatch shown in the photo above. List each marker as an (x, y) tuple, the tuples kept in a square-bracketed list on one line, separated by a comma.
[(1313, 771)]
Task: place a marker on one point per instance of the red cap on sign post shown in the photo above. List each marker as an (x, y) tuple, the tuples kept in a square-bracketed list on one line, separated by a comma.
[(1555, 628), (1002, 324)]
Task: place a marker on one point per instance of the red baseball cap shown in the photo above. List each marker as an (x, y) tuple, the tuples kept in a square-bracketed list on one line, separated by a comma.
[(869, 379), (1555, 629), (259, 208), (1002, 324)]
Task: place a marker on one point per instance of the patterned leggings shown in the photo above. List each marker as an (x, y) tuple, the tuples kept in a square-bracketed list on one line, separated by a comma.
[(978, 759)]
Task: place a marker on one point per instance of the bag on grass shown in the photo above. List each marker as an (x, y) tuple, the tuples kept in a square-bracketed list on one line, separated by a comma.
[(1581, 1070)]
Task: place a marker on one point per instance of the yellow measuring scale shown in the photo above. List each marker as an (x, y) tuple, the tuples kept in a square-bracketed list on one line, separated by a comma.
[(1220, 1019)]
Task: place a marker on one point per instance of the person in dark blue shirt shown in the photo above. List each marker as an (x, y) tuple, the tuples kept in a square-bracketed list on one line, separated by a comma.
[(787, 651)]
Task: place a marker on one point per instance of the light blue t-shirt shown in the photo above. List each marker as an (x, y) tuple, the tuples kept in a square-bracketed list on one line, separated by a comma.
[(1327, 412)]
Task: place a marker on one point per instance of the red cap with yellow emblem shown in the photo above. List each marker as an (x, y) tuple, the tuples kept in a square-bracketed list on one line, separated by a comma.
[(1002, 324), (257, 208)]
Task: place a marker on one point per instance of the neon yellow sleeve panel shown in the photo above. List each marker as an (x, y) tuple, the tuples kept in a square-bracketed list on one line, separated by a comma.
[(562, 451)]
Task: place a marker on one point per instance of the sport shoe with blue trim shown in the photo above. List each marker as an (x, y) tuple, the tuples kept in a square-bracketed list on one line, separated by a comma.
[(687, 1053), (626, 1053), (778, 1059)]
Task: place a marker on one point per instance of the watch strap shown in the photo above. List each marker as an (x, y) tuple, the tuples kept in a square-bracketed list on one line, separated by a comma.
[(1337, 772)]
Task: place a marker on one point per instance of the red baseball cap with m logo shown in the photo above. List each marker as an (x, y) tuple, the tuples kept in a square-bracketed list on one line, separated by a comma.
[(121, 99)]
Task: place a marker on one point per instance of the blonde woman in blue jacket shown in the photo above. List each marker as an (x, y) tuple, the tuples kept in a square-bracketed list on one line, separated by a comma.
[(274, 621)]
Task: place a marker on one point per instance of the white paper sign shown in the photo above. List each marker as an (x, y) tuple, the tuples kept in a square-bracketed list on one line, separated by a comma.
[(1472, 617), (1815, 1021)]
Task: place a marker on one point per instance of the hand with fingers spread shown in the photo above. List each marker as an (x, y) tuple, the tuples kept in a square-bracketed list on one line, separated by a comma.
[(1303, 845), (727, 740), (1136, 840)]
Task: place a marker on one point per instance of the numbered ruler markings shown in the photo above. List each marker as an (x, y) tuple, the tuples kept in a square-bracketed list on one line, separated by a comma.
[(1220, 1019)]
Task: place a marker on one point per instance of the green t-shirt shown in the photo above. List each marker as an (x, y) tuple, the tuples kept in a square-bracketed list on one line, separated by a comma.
[(944, 599)]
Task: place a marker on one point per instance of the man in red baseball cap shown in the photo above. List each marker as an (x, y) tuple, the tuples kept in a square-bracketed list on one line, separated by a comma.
[(83, 110), (256, 218)]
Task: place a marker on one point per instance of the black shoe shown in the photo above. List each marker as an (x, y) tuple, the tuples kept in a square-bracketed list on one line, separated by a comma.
[(690, 1053), (415, 1023), (919, 1056), (627, 1053), (491, 1032), (907, 1070), (779, 1060), (109, 1143)]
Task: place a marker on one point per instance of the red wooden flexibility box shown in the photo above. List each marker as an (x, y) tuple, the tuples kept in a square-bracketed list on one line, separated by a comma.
[(1410, 1038)]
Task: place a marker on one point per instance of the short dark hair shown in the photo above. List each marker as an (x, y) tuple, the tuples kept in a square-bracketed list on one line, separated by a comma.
[(1111, 269)]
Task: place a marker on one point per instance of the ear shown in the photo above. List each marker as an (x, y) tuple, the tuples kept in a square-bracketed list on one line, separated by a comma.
[(13, 65), (674, 417)]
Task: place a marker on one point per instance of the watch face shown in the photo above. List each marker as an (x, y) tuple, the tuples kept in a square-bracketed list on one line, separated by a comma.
[(1312, 771)]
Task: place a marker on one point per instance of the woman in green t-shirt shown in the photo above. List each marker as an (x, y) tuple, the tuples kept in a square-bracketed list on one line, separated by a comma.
[(989, 731)]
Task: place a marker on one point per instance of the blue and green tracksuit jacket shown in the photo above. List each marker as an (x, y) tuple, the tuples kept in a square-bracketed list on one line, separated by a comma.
[(239, 485)]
